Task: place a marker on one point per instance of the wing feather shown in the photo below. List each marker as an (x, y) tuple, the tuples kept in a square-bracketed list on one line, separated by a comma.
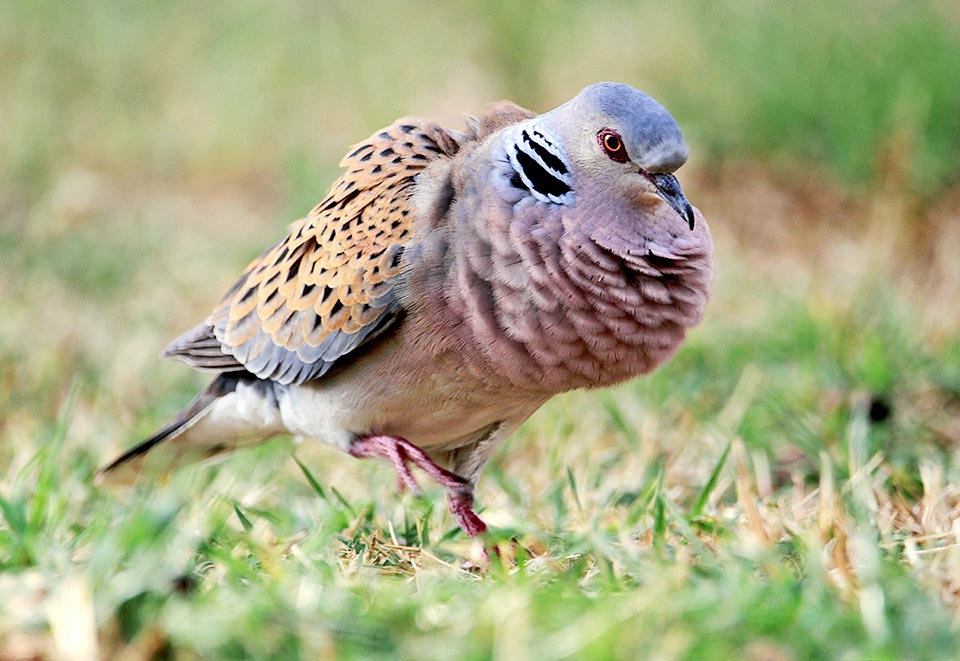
[(328, 287)]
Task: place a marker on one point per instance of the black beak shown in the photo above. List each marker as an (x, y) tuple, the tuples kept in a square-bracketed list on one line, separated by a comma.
[(669, 189)]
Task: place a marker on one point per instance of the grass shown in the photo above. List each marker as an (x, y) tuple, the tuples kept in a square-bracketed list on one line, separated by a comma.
[(785, 488), (703, 512)]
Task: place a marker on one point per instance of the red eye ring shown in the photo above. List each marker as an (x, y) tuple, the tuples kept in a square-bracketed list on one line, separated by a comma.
[(612, 145)]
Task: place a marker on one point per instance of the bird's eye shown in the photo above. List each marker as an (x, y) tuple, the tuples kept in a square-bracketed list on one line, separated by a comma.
[(612, 145)]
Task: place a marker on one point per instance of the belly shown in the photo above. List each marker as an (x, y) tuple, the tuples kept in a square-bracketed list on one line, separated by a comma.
[(436, 406)]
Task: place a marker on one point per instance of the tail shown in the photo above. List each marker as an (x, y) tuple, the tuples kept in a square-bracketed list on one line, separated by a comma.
[(236, 409)]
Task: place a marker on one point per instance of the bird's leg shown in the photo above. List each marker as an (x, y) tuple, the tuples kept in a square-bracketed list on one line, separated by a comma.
[(388, 447), (461, 506), (400, 451)]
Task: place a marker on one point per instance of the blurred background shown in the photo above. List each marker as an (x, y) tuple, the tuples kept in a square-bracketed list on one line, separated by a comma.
[(149, 150)]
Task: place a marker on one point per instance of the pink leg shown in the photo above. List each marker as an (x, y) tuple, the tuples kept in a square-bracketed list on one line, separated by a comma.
[(461, 505), (385, 446), (399, 451)]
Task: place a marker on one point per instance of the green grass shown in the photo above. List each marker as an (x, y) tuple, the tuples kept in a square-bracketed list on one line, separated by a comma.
[(633, 528), (785, 488)]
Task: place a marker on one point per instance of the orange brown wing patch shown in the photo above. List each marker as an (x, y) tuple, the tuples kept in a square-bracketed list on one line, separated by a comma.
[(328, 287)]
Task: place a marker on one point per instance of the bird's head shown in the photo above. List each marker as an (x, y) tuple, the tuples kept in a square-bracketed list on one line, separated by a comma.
[(625, 143)]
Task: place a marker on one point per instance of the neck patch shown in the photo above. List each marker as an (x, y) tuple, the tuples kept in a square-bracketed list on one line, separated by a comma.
[(540, 167)]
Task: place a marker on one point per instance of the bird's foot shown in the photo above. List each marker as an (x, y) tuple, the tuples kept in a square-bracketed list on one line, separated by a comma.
[(401, 453)]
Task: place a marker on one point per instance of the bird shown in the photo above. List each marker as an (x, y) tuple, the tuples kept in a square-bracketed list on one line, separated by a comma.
[(449, 284)]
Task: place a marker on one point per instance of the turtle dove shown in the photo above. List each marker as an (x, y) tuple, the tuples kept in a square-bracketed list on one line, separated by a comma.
[(449, 284)]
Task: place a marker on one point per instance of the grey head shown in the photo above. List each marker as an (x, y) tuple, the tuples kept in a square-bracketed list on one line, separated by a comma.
[(612, 136)]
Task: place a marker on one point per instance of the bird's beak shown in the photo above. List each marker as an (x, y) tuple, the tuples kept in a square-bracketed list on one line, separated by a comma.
[(669, 189)]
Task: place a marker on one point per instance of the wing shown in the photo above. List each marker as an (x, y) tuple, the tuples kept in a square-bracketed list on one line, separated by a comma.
[(328, 287)]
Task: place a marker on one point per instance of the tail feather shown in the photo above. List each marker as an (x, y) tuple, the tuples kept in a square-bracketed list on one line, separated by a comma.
[(235, 409)]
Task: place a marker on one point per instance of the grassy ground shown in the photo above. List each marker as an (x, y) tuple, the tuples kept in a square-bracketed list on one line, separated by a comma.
[(786, 488)]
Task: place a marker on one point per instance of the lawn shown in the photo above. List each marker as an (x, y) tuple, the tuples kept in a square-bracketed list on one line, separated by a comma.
[(785, 488)]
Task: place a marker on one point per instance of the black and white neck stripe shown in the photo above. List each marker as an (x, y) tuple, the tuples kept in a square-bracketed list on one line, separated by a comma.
[(540, 167)]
